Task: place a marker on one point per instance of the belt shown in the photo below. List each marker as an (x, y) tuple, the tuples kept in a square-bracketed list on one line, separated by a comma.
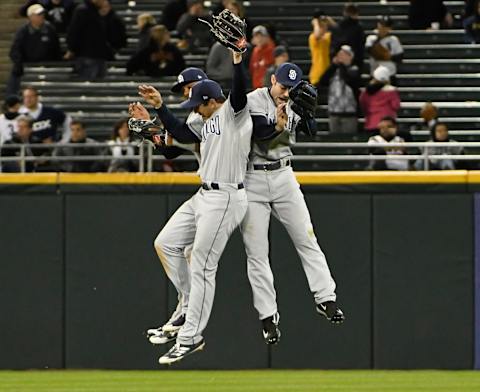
[(214, 185), (271, 166)]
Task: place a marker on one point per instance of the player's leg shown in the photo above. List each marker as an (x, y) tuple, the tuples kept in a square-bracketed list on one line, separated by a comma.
[(218, 214), (291, 210), (254, 228)]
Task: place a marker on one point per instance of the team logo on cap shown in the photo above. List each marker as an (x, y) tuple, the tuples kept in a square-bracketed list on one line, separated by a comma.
[(292, 74), (180, 79)]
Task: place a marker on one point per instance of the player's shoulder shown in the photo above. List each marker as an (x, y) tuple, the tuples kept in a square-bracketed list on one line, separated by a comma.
[(258, 98)]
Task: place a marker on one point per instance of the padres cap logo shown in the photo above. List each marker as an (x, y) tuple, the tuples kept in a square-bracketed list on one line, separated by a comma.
[(180, 78), (292, 74)]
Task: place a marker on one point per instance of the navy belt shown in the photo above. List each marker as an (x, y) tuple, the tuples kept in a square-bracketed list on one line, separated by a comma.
[(270, 166), (214, 185)]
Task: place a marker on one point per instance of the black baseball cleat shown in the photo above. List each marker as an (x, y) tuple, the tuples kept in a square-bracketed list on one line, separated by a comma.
[(174, 325), (180, 351), (161, 337), (331, 312), (271, 332)]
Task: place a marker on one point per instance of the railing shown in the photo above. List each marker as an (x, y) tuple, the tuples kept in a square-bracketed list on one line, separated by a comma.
[(146, 155)]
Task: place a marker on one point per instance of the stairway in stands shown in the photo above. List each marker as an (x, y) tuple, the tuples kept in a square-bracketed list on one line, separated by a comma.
[(438, 66)]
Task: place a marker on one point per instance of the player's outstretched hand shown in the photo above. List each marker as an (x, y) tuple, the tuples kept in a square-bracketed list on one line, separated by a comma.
[(151, 95), (138, 111)]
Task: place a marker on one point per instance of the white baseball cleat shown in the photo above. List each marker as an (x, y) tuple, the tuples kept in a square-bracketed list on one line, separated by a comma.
[(180, 351)]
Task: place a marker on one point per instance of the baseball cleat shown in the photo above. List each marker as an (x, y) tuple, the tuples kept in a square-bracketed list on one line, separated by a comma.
[(331, 312), (180, 351), (162, 337), (271, 332), (174, 325)]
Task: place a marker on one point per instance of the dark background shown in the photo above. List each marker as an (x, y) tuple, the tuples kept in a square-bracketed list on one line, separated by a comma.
[(80, 281)]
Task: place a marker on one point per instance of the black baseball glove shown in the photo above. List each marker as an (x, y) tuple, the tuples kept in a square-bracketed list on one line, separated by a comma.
[(146, 131), (304, 99), (229, 30)]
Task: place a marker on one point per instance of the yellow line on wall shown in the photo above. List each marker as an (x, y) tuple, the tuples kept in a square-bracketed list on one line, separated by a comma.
[(305, 178)]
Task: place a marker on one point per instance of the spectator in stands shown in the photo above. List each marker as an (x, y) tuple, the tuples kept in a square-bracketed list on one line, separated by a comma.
[(429, 116), (384, 48), (159, 58), (440, 134), (22, 136), (280, 56), (57, 12), (429, 15), (79, 135), (120, 146), (379, 99), (343, 81), (472, 25), (262, 55), (387, 134), (94, 36), (172, 12), (36, 41), (8, 120), (49, 124), (350, 32), (145, 22), (194, 33), (319, 44)]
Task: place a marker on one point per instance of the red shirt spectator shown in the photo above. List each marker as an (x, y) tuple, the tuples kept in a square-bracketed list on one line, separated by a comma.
[(380, 99), (262, 55)]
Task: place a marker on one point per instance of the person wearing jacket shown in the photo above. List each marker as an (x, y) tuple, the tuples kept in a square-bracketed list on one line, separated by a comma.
[(379, 99)]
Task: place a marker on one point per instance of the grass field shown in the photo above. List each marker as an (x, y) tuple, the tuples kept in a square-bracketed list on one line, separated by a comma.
[(244, 381)]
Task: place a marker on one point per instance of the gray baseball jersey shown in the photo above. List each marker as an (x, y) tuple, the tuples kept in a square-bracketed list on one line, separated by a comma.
[(261, 104), (278, 191)]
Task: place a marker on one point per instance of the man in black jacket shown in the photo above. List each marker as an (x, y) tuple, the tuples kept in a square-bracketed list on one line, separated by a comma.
[(95, 34), (350, 32)]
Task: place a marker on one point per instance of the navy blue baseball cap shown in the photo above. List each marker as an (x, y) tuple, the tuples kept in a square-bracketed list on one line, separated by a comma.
[(201, 92), (288, 74), (188, 75)]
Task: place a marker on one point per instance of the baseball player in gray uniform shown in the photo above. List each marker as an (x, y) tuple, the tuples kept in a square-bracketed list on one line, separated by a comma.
[(180, 276), (272, 188), (210, 216)]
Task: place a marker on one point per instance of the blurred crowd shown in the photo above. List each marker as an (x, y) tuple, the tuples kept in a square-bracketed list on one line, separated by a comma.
[(94, 34)]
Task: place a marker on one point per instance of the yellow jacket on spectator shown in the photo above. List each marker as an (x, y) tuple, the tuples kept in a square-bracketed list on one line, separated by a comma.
[(320, 54)]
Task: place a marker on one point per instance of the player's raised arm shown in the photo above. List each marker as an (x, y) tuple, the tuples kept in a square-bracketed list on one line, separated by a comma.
[(177, 128), (238, 95)]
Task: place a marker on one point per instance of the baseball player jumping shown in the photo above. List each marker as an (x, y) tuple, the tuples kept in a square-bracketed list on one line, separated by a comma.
[(211, 215), (272, 188)]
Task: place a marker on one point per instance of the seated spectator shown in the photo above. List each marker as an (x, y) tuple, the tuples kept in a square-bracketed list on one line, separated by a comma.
[(49, 124), (280, 56), (387, 134), (262, 55), (319, 44), (472, 26), (194, 33), (428, 14), (440, 134), (8, 120), (172, 12), (36, 41), (121, 135), (145, 22), (429, 116), (78, 135), (22, 136), (94, 36), (159, 58), (384, 48), (349, 31), (343, 81), (379, 99), (57, 12)]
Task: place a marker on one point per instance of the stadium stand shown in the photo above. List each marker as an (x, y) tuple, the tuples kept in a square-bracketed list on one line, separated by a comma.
[(437, 67)]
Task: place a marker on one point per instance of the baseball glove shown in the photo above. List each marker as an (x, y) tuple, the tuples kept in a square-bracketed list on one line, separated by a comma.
[(304, 99), (229, 30), (141, 130), (379, 52)]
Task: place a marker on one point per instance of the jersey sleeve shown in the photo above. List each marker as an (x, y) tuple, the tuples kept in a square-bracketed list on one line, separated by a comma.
[(256, 104), (195, 124)]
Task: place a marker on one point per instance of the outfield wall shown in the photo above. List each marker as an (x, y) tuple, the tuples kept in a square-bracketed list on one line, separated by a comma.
[(80, 281)]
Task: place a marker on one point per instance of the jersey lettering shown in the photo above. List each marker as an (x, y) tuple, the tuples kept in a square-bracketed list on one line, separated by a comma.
[(211, 127), (41, 125)]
